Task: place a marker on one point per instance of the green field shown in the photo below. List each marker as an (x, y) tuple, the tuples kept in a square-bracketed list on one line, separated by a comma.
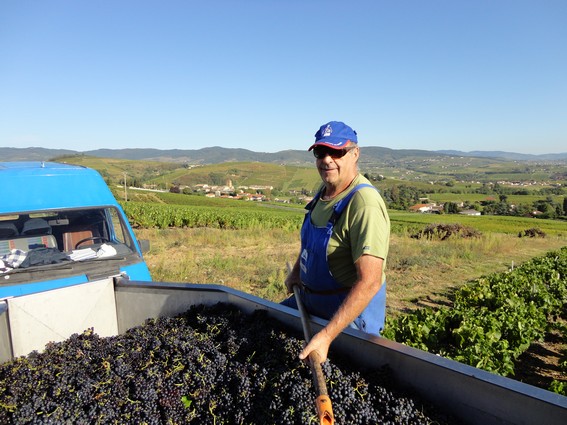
[(402, 222), (199, 200), (480, 197)]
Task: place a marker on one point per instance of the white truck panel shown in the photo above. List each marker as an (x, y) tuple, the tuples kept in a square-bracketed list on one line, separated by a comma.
[(55, 315)]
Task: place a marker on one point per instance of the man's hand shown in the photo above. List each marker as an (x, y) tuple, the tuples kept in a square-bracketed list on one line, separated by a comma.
[(319, 344)]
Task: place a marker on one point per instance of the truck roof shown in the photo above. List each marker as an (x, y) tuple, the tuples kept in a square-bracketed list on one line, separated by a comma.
[(35, 185)]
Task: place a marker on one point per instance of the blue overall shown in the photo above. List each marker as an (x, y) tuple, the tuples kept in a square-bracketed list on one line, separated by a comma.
[(322, 294)]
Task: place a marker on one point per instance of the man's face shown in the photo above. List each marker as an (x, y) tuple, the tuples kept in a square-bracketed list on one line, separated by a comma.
[(337, 167)]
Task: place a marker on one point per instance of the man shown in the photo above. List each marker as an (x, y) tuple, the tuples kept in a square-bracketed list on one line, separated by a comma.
[(344, 244)]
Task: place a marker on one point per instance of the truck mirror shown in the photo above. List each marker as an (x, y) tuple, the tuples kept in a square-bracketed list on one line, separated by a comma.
[(144, 245)]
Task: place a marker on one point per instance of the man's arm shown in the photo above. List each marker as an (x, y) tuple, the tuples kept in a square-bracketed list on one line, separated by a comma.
[(369, 282)]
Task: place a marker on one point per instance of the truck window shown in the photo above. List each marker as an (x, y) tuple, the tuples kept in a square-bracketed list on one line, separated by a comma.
[(119, 231), (66, 231)]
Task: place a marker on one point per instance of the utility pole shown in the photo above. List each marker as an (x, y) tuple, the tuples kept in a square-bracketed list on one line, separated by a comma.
[(125, 190)]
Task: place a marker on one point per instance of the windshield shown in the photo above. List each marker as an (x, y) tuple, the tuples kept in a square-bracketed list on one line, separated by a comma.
[(62, 237)]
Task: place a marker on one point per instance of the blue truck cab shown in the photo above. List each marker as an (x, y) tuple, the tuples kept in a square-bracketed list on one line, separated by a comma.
[(60, 226)]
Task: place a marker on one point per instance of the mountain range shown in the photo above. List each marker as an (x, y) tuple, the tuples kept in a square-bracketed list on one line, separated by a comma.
[(214, 155)]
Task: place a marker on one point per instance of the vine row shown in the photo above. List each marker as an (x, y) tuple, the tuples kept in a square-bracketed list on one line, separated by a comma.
[(494, 319)]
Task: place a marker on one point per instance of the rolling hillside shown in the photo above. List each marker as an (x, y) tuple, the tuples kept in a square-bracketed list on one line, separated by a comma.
[(294, 170)]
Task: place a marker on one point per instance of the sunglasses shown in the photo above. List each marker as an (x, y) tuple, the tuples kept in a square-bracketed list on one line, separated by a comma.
[(321, 152)]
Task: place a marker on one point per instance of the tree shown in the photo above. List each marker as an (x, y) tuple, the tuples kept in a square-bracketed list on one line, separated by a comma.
[(402, 197), (451, 208), (485, 189), (523, 210), (495, 208), (545, 207)]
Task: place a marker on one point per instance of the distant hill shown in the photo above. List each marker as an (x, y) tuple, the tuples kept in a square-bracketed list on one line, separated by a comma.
[(294, 169), (212, 155), (32, 154), (216, 155), (506, 155)]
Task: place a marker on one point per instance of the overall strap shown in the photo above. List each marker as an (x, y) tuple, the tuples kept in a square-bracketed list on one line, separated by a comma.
[(312, 203), (342, 204)]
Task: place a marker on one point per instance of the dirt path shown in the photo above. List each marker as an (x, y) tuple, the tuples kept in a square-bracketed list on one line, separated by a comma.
[(539, 366)]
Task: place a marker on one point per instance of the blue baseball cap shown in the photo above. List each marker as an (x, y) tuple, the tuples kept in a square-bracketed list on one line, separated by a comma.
[(334, 134)]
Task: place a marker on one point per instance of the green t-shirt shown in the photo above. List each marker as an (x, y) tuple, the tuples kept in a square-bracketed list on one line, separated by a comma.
[(362, 229)]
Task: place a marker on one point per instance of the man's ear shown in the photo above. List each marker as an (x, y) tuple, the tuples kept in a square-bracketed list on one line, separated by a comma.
[(356, 153)]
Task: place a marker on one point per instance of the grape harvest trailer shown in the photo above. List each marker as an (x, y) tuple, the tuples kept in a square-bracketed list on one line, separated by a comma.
[(113, 305)]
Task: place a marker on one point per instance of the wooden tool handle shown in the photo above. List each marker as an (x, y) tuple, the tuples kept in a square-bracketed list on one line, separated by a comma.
[(323, 402)]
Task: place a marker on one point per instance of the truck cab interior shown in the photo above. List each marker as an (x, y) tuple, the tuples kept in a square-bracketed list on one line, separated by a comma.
[(67, 231)]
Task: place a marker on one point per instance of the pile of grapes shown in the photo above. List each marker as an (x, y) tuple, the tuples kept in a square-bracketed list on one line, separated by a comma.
[(211, 365)]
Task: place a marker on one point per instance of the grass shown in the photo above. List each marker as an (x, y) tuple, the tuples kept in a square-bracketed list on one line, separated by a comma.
[(479, 197), (244, 260), (201, 200), (405, 221), (283, 177), (419, 272), (425, 273)]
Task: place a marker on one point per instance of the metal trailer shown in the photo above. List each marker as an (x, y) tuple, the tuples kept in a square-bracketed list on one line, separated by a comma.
[(471, 395)]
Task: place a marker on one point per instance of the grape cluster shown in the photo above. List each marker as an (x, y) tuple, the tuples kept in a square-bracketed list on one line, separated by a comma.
[(210, 365)]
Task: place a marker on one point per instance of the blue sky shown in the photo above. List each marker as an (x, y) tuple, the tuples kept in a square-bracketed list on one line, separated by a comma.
[(264, 74)]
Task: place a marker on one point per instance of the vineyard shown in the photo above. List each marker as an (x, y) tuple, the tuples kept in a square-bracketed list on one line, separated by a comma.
[(163, 210), (161, 216), (402, 221), (494, 319)]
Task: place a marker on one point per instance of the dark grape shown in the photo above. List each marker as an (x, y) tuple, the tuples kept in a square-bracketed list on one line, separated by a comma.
[(210, 365)]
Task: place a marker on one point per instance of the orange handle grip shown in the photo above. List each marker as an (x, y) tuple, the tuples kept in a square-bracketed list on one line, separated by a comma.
[(325, 410)]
